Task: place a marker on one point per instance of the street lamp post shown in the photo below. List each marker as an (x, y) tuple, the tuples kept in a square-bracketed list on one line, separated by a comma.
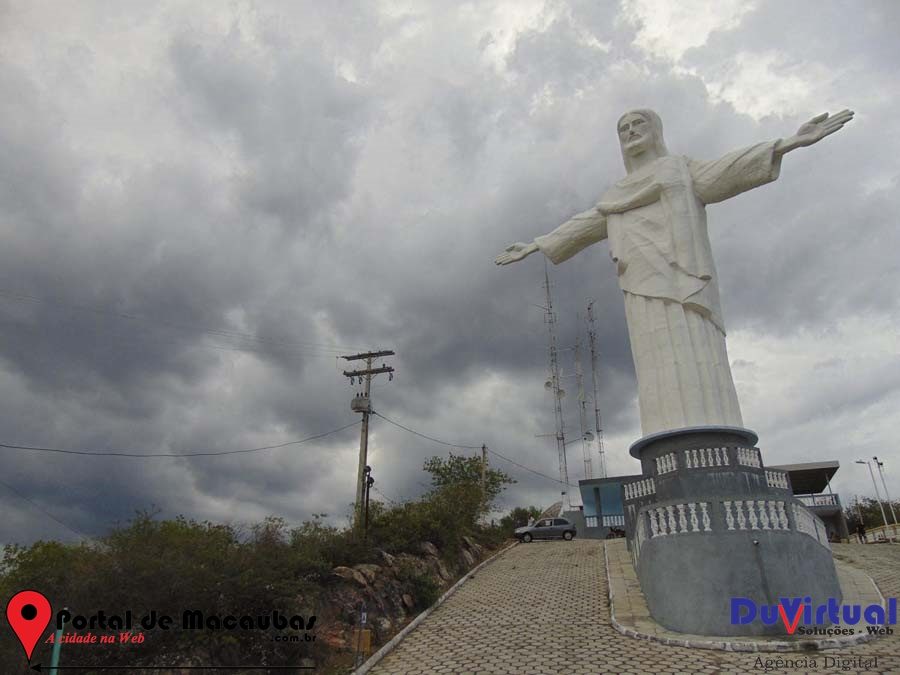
[(877, 493), (884, 484)]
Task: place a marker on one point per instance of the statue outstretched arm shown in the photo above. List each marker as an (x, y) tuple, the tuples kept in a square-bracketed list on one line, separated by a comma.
[(814, 131), (577, 233), (747, 168)]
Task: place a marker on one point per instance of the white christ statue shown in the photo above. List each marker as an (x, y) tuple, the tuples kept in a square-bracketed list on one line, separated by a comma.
[(655, 221)]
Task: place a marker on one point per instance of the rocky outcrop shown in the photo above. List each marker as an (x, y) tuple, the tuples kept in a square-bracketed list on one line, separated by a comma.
[(350, 575), (388, 591)]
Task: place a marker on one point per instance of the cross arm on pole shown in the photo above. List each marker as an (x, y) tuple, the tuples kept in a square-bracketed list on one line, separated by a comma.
[(368, 355), (368, 371)]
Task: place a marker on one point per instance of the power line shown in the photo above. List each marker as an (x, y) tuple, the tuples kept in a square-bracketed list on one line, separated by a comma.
[(45, 512), (430, 438), (471, 447), (522, 466), (165, 454)]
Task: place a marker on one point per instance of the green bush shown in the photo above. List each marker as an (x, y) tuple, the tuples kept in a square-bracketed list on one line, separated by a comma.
[(424, 589), (179, 564)]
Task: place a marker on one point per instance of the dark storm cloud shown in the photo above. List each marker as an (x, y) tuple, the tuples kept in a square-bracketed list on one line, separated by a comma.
[(268, 188)]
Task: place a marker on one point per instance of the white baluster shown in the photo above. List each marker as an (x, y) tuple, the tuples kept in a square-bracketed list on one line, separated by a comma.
[(763, 516), (682, 519), (782, 516), (673, 526), (692, 507), (729, 518), (741, 520), (705, 517), (754, 523), (773, 516), (654, 526), (725, 456)]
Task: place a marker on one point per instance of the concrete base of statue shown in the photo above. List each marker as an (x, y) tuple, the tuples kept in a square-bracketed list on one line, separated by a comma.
[(708, 523)]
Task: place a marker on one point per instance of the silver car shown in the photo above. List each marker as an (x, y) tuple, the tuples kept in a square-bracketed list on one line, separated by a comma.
[(547, 528)]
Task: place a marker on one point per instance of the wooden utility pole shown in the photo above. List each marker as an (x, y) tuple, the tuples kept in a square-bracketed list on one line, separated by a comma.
[(362, 404), (483, 470)]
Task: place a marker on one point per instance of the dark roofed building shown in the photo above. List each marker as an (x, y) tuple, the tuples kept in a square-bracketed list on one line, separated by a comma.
[(811, 484)]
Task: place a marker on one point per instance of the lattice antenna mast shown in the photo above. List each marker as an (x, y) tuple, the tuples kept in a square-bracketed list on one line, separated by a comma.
[(558, 393), (592, 339), (582, 409)]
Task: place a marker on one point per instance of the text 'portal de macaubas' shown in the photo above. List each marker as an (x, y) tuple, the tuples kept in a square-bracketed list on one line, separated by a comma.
[(744, 533)]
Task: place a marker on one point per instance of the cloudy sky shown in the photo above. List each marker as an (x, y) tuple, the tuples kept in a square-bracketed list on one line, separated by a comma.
[(203, 204)]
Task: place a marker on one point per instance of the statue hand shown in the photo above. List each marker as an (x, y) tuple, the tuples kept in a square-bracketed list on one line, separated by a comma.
[(821, 126), (515, 252)]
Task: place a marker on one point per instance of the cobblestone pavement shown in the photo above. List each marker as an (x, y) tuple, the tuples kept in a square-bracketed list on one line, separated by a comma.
[(542, 609)]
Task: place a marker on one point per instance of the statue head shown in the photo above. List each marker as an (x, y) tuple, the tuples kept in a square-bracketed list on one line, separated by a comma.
[(640, 131)]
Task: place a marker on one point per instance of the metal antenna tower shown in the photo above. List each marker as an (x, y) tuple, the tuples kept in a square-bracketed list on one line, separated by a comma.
[(558, 393), (592, 339), (582, 410)]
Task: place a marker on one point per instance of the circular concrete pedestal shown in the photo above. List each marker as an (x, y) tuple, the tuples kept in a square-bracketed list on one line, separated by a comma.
[(708, 523)]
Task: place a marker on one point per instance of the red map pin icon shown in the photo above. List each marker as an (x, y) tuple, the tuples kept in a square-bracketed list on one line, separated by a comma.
[(28, 612)]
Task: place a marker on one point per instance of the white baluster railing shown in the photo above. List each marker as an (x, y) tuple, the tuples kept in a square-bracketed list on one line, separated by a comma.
[(641, 488), (666, 463), (777, 479), (749, 457)]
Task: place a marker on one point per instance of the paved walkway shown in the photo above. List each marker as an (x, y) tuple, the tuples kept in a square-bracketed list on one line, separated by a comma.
[(542, 609)]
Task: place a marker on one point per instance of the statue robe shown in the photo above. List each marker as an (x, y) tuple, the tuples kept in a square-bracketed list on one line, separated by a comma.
[(655, 220)]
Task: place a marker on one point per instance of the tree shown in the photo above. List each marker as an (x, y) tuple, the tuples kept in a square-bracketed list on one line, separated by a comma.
[(871, 513), (456, 470)]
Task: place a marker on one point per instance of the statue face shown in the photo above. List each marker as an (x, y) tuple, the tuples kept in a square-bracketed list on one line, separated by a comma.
[(635, 134)]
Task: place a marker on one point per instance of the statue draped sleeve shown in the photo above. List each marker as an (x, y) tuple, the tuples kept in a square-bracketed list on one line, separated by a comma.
[(734, 173), (577, 233)]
